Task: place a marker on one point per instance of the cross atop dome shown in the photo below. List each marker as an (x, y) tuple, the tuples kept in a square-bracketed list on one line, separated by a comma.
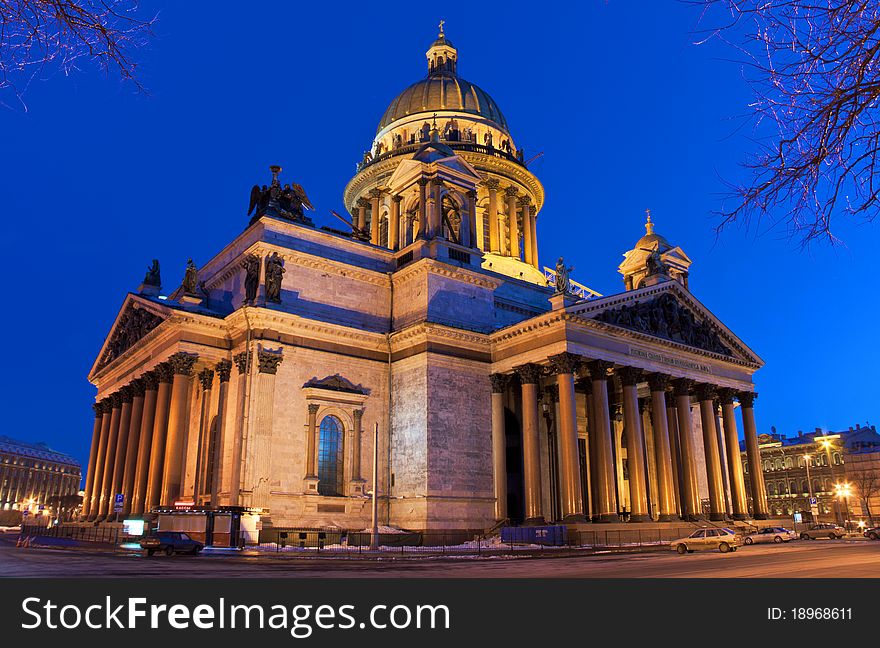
[(649, 226), (442, 55)]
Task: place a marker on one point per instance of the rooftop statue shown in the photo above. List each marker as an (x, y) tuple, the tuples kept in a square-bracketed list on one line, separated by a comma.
[(563, 283), (152, 278), (274, 274), (285, 202), (191, 279)]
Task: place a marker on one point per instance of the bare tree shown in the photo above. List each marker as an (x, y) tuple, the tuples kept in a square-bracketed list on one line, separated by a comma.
[(41, 36), (814, 68), (867, 483)]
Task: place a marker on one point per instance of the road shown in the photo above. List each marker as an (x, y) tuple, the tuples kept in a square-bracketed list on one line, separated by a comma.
[(799, 559)]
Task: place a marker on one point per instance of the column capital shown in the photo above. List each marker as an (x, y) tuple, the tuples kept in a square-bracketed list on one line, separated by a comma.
[(529, 374), (524, 201), (726, 395), (126, 393), (658, 382), (682, 386), (151, 380), (375, 193), (268, 361), (362, 202), (397, 198), (138, 387), (313, 408), (437, 182), (242, 360), (511, 191), (223, 369), (599, 369), (164, 372), (98, 408), (629, 376), (492, 184), (499, 382), (470, 193), (564, 363), (115, 400), (704, 392), (182, 363), (423, 181), (747, 399), (206, 377), (358, 416)]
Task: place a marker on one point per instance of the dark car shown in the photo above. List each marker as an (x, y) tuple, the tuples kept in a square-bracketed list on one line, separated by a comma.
[(170, 542), (873, 533)]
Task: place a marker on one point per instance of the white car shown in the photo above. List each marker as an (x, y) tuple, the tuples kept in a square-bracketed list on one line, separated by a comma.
[(771, 534), (722, 539)]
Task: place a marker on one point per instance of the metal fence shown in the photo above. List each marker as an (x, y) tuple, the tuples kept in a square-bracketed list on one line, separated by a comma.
[(81, 533)]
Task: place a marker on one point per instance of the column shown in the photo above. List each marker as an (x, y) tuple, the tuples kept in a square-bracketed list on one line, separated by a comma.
[(394, 242), (242, 363), (564, 366), (110, 458), (666, 499), (93, 460), (257, 447), (492, 185), (734, 460), (138, 390), (690, 503), (435, 213), (358, 417), (165, 376), (312, 442), (499, 445), (606, 499), (142, 471), (223, 369), (529, 376), (527, 230), (97, 482), (423, 208), (362, 204), (533, 217), (635, 445), (375, 196), (178, 425), (121, 446), (474, 235), (675, 450), (586, 386), (513, 224), (206, 380), (753, 453), (706, 396)]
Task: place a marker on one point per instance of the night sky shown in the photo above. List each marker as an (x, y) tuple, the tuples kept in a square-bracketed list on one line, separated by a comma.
[(97, 180)]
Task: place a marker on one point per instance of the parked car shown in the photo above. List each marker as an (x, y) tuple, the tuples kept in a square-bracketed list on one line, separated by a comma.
[(771, 534), (872, 533), (170, 542), (823, 530), (723, 540)]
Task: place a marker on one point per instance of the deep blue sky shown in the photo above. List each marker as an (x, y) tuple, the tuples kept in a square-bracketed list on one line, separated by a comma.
[(96, 180)]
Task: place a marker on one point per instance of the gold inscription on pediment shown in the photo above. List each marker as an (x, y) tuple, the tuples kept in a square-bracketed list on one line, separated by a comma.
[(677, 362)]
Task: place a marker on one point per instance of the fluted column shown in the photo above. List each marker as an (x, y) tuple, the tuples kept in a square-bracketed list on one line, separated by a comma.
[(110, 456), (473, 234), (606, 498), (529, 376), (206, 380), (533, 218), (435, 214), (375, 197), (753, 452), (93, 460), (423, 208), (564, 366), (178, 426), (527, 230), (218, 443), (666, 497), (635, 445), (357, 433), (499, 444), (243, 365), (145, 443), (362, 204), (674, 449), (138, 389), (706, 396), (512, 222), (585, 384), (121, 446), (165, 375), (691, 509), (312, 442), (394, 242), (734, 460), (492, 185), (257, 445)]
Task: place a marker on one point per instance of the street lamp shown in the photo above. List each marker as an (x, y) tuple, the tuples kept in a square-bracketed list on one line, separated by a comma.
[(844, 490), (807, 458), (827, 442)]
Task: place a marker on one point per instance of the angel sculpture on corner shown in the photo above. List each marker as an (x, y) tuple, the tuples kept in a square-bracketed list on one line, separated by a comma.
[(285, 202)]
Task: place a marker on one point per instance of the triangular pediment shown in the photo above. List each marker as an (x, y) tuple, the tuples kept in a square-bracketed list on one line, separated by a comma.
[(336, 383), (668, 312), (136, 319)]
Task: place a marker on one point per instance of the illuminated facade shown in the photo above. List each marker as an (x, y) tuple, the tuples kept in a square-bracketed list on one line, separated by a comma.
[(499, 388), (32, 475)]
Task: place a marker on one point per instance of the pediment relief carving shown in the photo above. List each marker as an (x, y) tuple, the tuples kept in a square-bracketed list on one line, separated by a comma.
[(336, 383), (133, 324), (665, 317)]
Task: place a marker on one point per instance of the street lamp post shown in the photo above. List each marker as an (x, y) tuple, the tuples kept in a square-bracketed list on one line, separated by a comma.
[(827, 441), (807, 459), (843, 490)]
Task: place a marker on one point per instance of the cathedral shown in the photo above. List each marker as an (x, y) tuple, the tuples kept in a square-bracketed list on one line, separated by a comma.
[(422, 335)]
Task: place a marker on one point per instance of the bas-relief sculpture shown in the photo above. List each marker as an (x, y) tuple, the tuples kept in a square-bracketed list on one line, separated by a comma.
[(134, 324)]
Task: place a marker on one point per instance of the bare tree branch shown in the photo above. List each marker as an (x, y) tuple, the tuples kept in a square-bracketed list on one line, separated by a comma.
[(814, 69)]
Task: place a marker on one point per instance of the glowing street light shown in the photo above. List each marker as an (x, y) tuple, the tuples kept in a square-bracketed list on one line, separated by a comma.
[(844, 490)]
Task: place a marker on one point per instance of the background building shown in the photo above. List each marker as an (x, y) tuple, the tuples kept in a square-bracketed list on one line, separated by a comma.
[(33, 476), (843, 467)]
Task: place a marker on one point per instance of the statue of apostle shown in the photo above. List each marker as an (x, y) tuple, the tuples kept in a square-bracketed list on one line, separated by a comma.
[(274, 273), (251, 265)]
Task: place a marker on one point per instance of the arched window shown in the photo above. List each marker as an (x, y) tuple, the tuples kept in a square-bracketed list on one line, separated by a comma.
[(816, 487), (767, 465), (771, 488), (805, 487), (778, 464), (789, 463), (330, 456), (837, 459), (800, 462)]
